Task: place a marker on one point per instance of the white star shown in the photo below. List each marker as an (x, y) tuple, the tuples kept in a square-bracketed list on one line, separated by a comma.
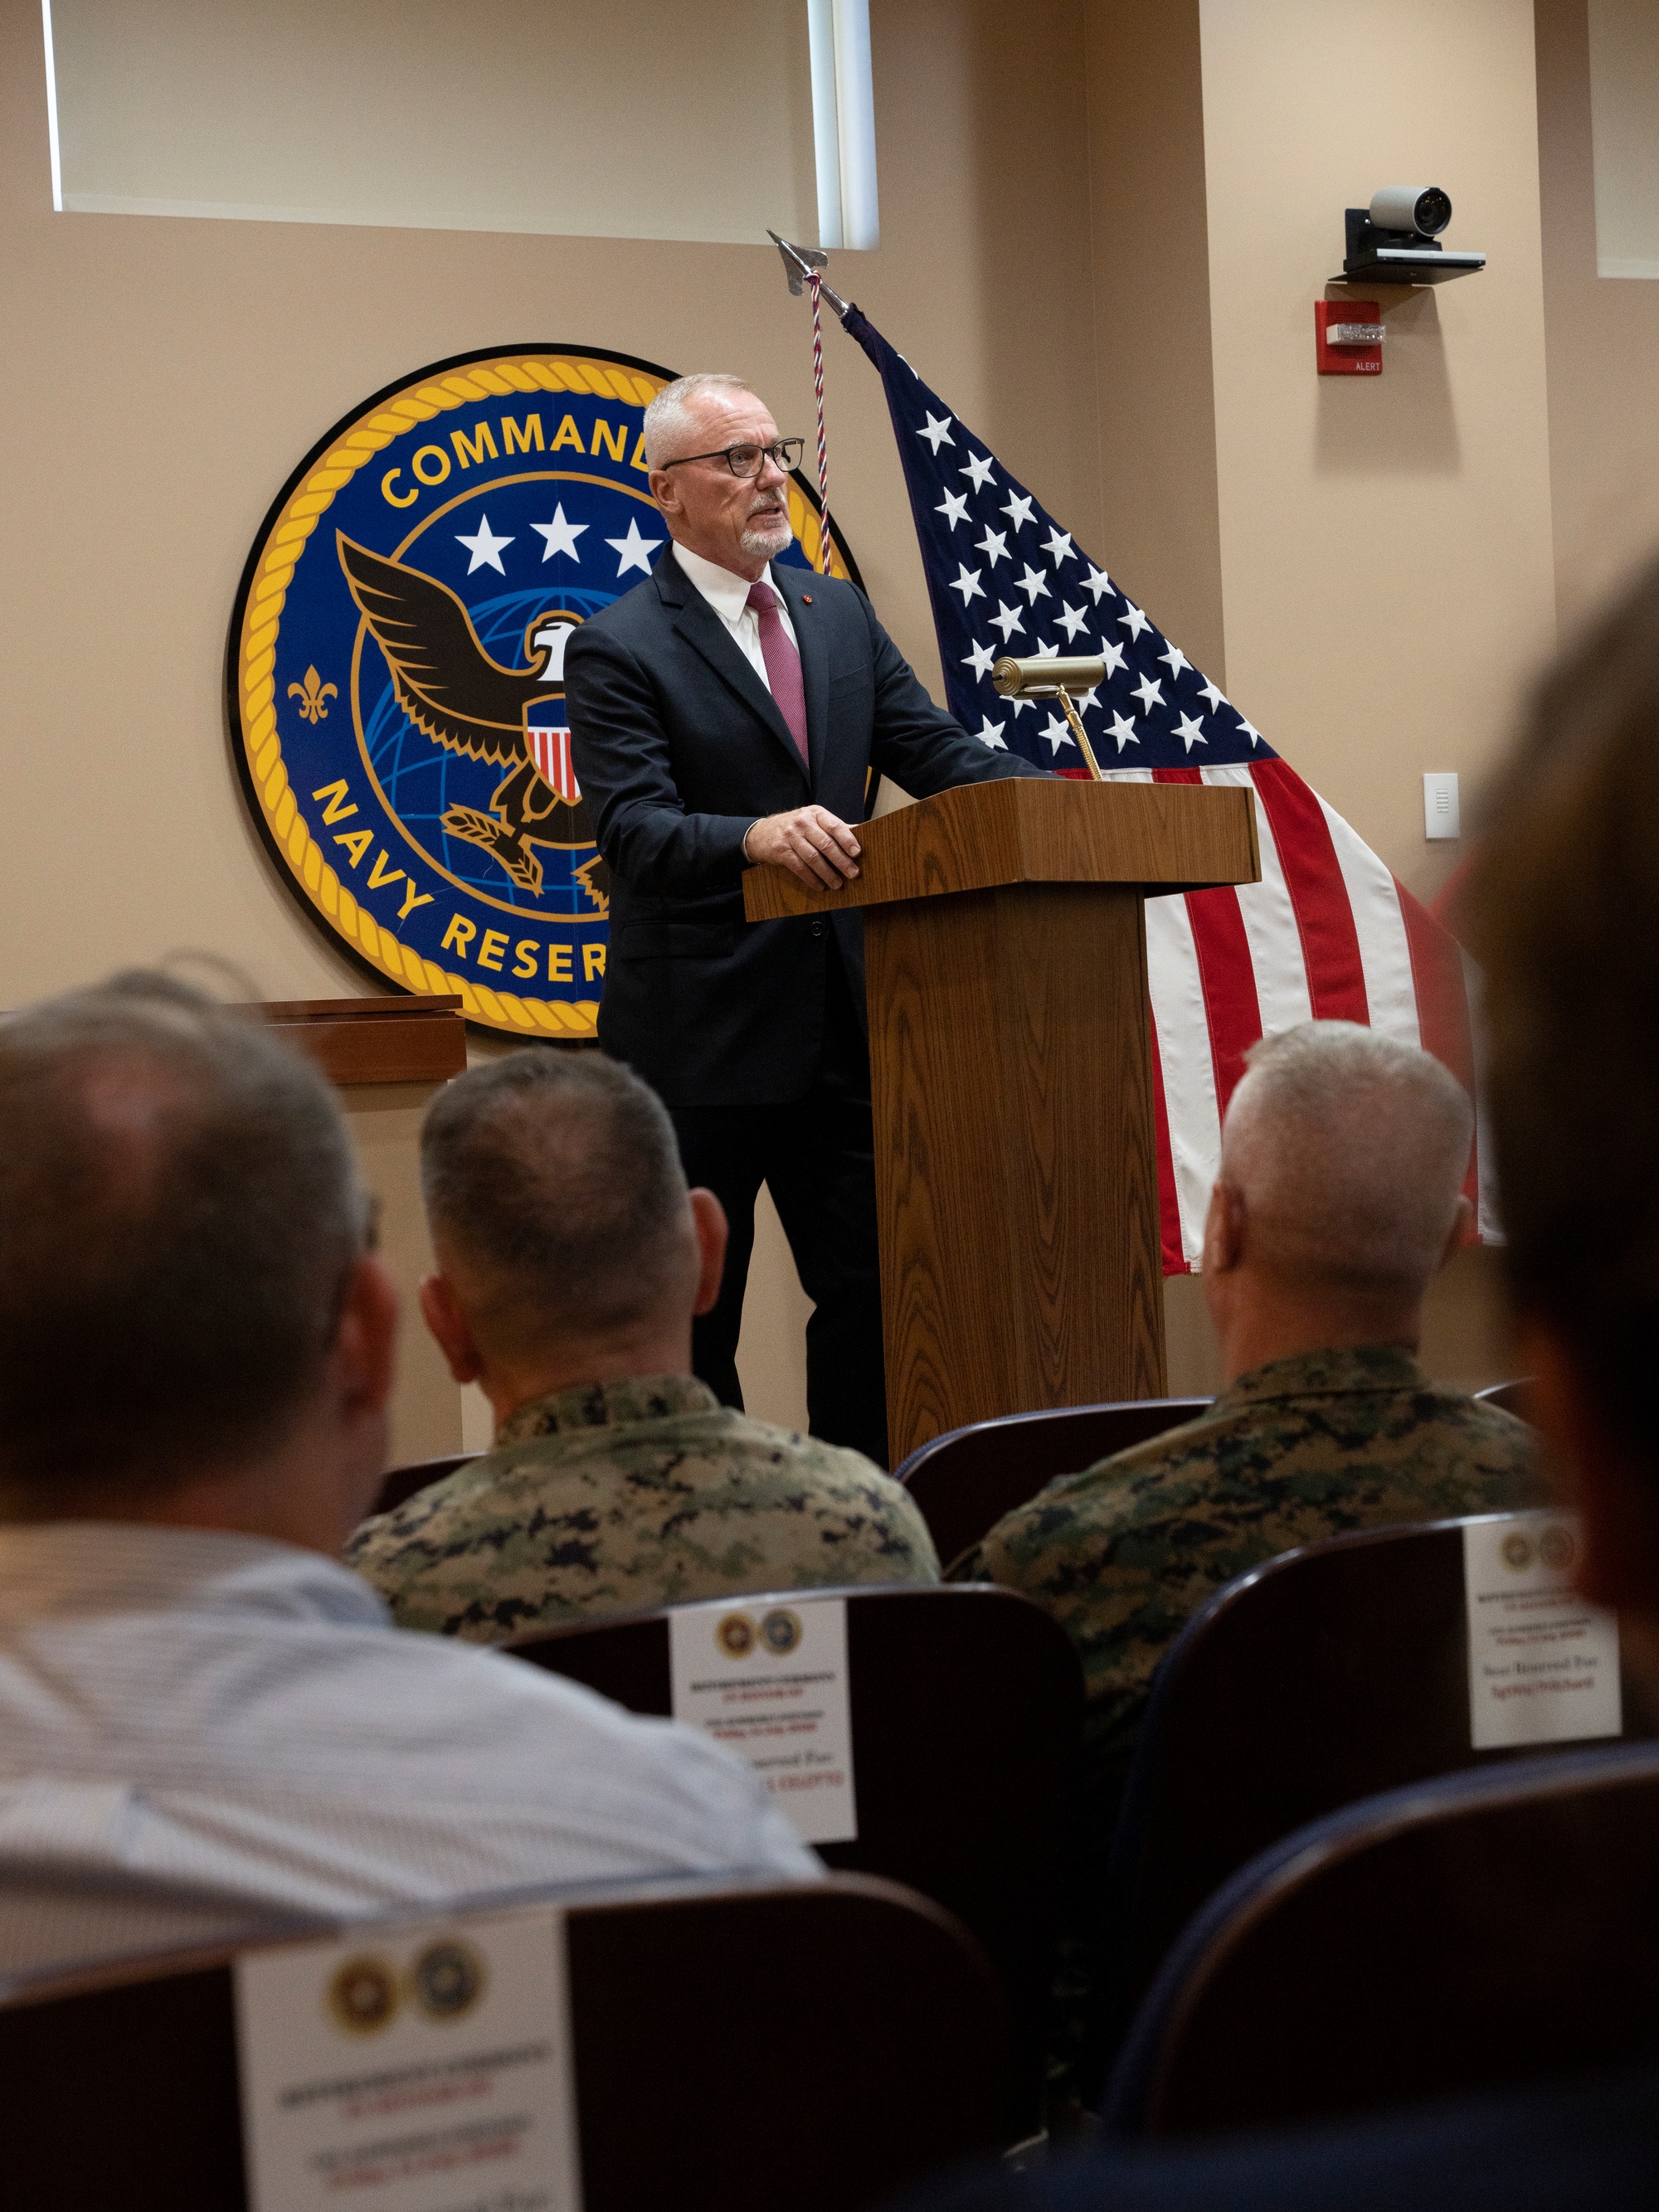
[(1058, 547), (1034, 584), (938, 433), (1112, 654), (955, 510), (1150, 694), (1018, 511), (1084, 700), (1019, 705), (1212, 692), (1248, 729), (1124, 731), (978, 470), (1189, 730), (1057, 733), (1098, 581), (980, 659), (993, 545), (990, 733), (634, 551), (1005, 620), (1071, 620), (560, 535), (485, 548), (966, 581), (1134, 621), (1175, 661), (1041, 651)]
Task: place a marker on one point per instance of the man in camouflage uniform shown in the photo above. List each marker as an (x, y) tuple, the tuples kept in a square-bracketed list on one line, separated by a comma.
[(1340, 1197), (572, 1259)]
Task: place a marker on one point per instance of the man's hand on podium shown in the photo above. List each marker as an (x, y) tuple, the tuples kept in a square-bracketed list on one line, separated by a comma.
[(811, 842)]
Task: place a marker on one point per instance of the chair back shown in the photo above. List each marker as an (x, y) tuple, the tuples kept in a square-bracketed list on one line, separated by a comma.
[(1511, 1397), (814, 2045), (966, 1708), (1473, 1934), (399, 1483), (964, 1481), (1272, 1708)]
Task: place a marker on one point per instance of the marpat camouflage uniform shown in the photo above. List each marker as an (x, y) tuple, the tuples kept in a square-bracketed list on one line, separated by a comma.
[(615, 1495), (1125, 1554)]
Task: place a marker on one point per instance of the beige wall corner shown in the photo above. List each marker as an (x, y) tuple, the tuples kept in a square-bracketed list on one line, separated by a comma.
[(1151, 272), (1603, 343), (1386, 553)]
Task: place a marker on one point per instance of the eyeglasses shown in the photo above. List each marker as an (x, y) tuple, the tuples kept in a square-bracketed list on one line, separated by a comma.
[(749, 460)]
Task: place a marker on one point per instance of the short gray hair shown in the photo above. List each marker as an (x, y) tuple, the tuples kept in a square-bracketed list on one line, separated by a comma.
[(665, 418), (179, 1212), (554, 1187), (1350, 1150)]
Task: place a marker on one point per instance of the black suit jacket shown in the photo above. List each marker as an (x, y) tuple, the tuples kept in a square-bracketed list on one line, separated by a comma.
[(678, 747)]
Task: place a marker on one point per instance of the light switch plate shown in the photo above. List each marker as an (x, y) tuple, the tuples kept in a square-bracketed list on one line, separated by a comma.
[(1440, 805)]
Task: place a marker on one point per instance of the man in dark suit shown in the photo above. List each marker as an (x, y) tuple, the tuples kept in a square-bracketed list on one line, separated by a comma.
[(722, 713)]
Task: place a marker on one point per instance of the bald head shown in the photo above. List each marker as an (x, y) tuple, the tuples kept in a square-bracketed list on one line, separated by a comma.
[(1347, 1152), (675, 419)]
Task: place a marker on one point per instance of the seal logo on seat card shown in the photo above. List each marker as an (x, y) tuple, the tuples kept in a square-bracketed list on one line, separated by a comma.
[(395, 673)]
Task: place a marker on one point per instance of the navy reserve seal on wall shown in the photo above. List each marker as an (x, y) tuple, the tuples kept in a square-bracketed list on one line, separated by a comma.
[(396, 672)]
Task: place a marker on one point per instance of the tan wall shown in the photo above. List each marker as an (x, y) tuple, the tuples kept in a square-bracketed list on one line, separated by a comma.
[(1603, 339), (1386, 552)]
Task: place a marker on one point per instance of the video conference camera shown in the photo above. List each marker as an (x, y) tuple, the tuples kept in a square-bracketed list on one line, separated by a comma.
[(1396, 240)]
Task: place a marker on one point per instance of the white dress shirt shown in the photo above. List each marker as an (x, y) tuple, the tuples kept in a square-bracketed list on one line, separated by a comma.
[(728, 595), (202, 1732)]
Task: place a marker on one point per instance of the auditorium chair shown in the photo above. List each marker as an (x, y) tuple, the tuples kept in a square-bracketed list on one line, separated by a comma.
[(1477, 1933), (1322, 1677), (813, 2045), (966, 1706), (1511, 1397), (965, 1480), (399, 1483)]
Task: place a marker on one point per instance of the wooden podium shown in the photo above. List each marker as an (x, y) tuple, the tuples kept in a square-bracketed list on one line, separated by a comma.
[(1016, 1152)]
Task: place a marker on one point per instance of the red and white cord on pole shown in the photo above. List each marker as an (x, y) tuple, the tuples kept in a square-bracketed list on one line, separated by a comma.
[(814, 279)]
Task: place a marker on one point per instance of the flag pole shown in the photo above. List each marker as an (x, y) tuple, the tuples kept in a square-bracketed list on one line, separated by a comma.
[(803, 266)]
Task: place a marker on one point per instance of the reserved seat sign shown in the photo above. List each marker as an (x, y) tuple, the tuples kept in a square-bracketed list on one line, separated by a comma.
[(412, 2069), (769, 1677), (1543, 1664)]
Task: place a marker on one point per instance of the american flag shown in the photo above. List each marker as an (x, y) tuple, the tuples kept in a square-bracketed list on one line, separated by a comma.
[(1328, 932)]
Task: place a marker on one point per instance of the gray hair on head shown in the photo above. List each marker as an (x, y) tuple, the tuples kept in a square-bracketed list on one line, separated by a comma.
[(557, 1202), (667, 427), (180, 1212), (1349, 1151)]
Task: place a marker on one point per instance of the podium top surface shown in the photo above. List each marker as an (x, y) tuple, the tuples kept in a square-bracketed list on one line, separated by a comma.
[(1159, 837)]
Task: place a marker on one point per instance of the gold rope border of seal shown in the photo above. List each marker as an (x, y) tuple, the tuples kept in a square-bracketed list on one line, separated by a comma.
[(510, 375)]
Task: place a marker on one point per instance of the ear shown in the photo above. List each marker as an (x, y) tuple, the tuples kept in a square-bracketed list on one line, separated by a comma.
[(709, 1217), (1596, 1473), (1462, 1231), (445, 1317), (661, 484), (1223, 1231), (365, 1344)]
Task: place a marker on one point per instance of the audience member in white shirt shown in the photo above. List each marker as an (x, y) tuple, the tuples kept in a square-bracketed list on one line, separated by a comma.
[(206, 1724)]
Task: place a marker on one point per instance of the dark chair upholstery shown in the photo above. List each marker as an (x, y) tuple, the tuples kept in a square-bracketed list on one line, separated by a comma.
[(817, 2046), (1326, 1675), (966, 1707), (965, 1480), (1512, 1397), (1477, 1933), (399, 1483)]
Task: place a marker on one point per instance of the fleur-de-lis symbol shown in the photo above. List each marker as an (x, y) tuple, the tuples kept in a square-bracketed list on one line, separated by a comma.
[(311, 695)]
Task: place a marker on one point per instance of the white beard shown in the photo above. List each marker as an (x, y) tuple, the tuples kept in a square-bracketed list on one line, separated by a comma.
[(766, 536)]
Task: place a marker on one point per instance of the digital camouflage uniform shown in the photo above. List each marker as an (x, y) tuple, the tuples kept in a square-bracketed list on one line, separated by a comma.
[(1123, 1554), (618, 1495)]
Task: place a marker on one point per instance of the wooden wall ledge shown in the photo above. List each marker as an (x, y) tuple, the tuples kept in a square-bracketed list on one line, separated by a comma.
[(410, 1039)]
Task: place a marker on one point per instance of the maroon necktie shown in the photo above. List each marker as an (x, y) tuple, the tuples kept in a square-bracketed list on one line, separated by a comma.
[(782, 664)]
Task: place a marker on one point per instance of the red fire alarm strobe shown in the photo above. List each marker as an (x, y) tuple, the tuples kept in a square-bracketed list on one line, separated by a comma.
[(1349, 338)]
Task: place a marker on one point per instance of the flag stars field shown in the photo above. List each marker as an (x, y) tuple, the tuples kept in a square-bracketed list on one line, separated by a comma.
[(966, 581), (1190, 731), (978, 470)]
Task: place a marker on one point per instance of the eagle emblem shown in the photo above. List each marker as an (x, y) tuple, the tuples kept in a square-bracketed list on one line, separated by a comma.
[(459, 696)]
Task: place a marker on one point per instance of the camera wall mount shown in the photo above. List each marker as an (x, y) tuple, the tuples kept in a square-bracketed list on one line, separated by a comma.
[(1396, 240)]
